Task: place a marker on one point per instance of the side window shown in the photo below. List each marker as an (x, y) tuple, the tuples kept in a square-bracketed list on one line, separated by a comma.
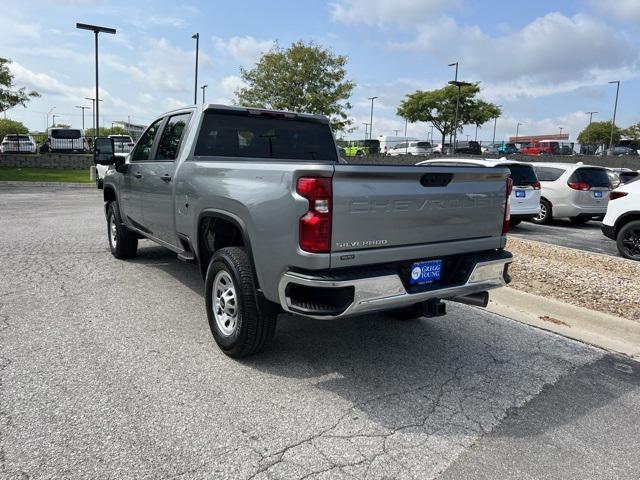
[(548, 174), (143, 149), (171, 137)]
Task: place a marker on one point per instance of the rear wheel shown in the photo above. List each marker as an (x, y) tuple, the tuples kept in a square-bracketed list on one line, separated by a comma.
[(123, 243), (241, 324), (514, 223), (628, 240), (545, 215)]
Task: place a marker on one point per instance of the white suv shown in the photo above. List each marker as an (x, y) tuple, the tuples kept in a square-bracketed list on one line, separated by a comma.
[(572, 190), (622, 221), (525, 196), (410, 148)]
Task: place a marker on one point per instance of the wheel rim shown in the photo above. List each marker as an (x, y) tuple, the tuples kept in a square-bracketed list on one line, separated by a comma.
[(113, 231), (543, 212), (225, 303), (631, 243)]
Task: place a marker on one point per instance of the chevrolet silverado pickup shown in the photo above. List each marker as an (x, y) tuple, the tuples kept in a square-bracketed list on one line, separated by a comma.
[(277, 222)]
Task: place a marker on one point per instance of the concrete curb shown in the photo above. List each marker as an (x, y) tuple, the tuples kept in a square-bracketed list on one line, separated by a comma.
[(599, 329), (51, 185)]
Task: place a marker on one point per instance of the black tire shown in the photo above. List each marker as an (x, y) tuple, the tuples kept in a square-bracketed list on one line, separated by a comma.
[(514, 222), (546, 214), (255, 320), (123, 243), (628, 240), (99, 185), (408, 313), (579, 220)]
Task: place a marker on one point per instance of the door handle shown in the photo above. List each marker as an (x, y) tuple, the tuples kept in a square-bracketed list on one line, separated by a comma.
[(166, 177), (137, 175)]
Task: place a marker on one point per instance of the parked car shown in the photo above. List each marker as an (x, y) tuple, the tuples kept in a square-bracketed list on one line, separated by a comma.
[(67, 140), (543, 147), (572, 190), (490, 150), (626, 175), (260, 200), (123, 143), (525, 195), (358, 148), (387, 142), (621, 151), (469, 147), (410, 148), (18, 143), (622, 221), (507, 148)]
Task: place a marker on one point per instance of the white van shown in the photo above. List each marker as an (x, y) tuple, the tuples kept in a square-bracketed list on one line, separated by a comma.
[(67, 140), (388, 142), (410, 148)]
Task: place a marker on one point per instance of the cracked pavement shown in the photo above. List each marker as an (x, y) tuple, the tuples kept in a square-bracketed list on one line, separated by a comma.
[(108, 370)]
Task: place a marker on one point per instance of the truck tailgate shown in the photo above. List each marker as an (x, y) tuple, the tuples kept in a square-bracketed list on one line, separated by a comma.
[(391, 206)]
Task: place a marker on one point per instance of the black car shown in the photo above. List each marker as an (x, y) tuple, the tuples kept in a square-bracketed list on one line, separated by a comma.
[(469, 147)]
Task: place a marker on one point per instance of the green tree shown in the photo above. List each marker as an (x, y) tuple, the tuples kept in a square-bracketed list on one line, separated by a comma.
[(11, 126), (302, 78), (632, 132), (105, 132), (9, 96), (599, 133), (439, 108)]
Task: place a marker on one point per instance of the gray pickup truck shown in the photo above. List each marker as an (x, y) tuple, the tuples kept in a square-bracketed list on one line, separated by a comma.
[(276, 221)]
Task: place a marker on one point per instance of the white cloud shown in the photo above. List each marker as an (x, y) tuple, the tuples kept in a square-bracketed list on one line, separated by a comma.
[(229, 85), (246, 50), (385, 12), (550, 51), (628, 10)]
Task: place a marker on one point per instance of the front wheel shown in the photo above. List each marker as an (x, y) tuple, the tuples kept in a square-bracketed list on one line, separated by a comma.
[(514, 223), (545, 215), (241, 324), (628, 240), (123, 243)]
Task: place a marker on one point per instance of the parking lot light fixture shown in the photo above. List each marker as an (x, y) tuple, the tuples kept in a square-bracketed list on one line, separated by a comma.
[(96, 30), (615, 109), (495, 121), (371, 119), (365, 129), (93, 114), (203, 87), (518, 130), (196, 36), (83, 109), (589, 128)]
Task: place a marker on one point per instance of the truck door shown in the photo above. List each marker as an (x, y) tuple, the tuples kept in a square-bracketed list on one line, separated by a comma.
[(134, 178), (158, 204)]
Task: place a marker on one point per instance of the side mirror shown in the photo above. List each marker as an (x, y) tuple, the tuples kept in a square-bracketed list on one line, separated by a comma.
[(103, 151)]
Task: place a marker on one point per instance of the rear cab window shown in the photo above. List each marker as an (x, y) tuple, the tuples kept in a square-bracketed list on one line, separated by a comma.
[(264, 135)]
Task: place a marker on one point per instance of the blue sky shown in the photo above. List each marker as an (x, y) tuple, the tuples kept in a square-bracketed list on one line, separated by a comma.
[(546, 62)]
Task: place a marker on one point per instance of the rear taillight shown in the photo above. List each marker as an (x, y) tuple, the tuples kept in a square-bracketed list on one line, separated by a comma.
[(613, 195), (579, 185), (507, 207), (315, 224), (536, 185)]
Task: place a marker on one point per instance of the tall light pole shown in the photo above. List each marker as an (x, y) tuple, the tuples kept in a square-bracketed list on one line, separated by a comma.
[(518, 130), (203, 87), (371, 118), (615, 109), (49, 113), (476, 139), (396, 132), (406, 148), (495, 121), (365, 129), (195, 88), (83, 109), (455, 123), (589, 128), (93, 114), (53, 121), (96, 30), (561, 128)]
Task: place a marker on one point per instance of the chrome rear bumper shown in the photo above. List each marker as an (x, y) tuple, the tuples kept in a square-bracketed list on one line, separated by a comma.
[(388, 292)]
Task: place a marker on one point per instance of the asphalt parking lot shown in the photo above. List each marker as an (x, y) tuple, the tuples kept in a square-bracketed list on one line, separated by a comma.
[(586, 237), (108, 370)]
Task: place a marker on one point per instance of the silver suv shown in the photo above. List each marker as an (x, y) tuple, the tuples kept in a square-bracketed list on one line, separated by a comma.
[(572, 190)]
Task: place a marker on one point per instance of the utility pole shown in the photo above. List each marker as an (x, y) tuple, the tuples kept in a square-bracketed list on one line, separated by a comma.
[(371, 118), (396, 132), (365, 129), (96, 30), (518, 130), (53, 123), (83, 109), (406, 148), (93, 113), (195, 88), (49, 113), (615, 108), (476, 139), (589, 128), (455, 123)]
